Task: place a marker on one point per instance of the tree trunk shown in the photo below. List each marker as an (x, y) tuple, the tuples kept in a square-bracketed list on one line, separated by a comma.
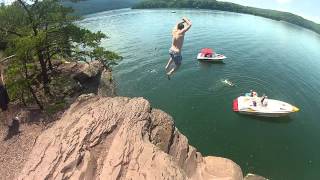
[(29, 85), (49, 60), (50, 64), (35, 97), (48, 50), (22, 98), (44, 73)]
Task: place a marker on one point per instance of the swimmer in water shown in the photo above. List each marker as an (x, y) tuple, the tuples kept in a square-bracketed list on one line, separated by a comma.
[(226, 81)]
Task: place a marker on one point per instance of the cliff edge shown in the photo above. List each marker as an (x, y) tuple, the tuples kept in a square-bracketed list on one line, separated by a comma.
[(119, 138)]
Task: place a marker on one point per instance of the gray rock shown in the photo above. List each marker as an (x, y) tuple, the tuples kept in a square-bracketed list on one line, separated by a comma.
[(87, 71), (90, 77), (106, 85)]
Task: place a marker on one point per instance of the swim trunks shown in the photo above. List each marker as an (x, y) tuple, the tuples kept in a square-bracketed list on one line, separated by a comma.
[(176, 56)]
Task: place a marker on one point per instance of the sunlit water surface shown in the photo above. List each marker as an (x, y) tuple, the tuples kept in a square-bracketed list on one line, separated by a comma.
[(275, 58)]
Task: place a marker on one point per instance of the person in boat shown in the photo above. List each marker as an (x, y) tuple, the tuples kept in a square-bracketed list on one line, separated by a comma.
[(264, 100), (253, 93), (254, 103), (178, 33), (208, 55)]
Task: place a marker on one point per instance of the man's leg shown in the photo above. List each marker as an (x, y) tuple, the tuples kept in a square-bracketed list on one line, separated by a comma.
[(177, 62), (173, 70), (169, 63)]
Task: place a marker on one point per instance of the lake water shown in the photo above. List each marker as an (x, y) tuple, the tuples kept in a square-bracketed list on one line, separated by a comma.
[(271, 57)]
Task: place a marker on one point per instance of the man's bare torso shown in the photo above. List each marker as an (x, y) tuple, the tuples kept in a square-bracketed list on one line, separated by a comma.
[(177, 40)]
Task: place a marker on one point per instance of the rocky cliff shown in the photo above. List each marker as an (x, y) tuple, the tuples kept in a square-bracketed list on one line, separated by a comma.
[(119, 138)]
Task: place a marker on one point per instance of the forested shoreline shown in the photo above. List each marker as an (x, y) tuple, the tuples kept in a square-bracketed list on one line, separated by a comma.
[(230, 7)]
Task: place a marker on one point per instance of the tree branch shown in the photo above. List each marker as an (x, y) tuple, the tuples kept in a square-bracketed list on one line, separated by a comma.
[(27, 10), (11, 32), (7, 58), (30, 16)]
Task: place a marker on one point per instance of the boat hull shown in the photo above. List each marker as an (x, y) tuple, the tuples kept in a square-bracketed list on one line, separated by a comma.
[(215, 58), (264, 114)]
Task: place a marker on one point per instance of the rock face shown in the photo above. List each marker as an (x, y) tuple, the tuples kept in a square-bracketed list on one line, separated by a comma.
[(120, 138), (88, 74), (106, 86), (90, 77)]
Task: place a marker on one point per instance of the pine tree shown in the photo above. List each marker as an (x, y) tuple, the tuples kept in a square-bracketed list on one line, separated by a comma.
[(38, 31)]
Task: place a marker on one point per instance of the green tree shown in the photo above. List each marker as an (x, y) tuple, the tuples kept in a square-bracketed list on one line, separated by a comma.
[(38, 31)]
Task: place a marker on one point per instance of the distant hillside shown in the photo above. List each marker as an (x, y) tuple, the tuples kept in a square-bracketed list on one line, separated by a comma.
[(93, 6), (232, 7)]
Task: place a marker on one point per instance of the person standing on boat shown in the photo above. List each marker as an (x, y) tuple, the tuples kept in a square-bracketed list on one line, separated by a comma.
[(178, 33), (264, 100)]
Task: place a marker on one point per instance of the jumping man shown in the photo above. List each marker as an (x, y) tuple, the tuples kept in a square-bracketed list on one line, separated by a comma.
[(178, 33)]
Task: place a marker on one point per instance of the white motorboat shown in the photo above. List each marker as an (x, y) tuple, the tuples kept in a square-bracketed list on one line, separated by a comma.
[(269, 107), (209, 55)]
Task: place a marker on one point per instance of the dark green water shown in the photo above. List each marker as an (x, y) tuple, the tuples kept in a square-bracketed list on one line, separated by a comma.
[(275, 58)]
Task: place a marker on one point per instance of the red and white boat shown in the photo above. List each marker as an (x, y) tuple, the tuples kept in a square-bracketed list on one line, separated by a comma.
[(209, 55)]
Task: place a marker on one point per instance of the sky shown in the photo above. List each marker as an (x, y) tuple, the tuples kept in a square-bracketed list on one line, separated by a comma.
[(309, 9)]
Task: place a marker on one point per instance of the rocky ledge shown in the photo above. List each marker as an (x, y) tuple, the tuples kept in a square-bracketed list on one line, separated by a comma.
[(119, 138)]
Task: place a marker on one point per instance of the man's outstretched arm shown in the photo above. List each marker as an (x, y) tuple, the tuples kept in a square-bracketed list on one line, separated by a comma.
[(188, 25)]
